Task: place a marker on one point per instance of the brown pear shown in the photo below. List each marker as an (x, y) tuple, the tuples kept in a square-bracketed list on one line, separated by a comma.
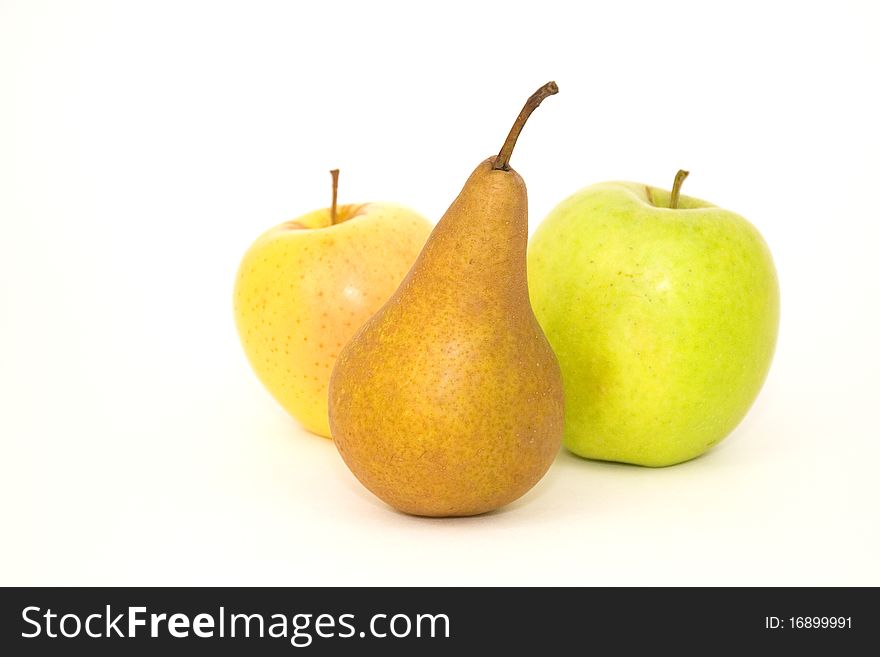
[(448, 401)]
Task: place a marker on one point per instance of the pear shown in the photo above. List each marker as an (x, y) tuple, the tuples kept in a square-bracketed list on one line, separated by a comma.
[(448, 401)]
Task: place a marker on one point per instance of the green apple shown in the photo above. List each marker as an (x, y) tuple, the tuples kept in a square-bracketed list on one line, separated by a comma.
[(663, 311), (304, 287)]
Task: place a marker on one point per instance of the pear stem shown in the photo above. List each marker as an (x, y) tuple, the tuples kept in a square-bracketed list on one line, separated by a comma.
[(335, 175), (502, 162), (676, 188)]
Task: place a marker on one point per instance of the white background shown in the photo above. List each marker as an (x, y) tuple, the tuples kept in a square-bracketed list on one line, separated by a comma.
[(143, 146)]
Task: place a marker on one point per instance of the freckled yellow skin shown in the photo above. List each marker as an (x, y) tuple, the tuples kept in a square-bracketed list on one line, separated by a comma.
[(664, 321), (448, 402), (304, 288)]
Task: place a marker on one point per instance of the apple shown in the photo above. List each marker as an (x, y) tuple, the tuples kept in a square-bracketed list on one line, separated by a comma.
[(663, 311), (304, 287)]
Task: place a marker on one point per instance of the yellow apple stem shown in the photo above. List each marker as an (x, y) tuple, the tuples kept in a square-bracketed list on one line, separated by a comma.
[(676, 188), (502, 162), (335, 175)]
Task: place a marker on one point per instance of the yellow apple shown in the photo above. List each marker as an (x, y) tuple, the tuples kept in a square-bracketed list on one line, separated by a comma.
[(304, 288)]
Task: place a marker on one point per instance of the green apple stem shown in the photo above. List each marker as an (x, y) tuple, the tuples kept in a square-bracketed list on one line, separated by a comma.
[(335, 175), (502, 162), (676, 188)]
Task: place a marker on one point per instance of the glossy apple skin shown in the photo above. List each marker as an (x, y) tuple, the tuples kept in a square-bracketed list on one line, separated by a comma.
[(664, 321), (303, 289)]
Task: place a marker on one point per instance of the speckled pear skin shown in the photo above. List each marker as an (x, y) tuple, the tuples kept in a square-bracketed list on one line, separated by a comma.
[(449, 401)]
